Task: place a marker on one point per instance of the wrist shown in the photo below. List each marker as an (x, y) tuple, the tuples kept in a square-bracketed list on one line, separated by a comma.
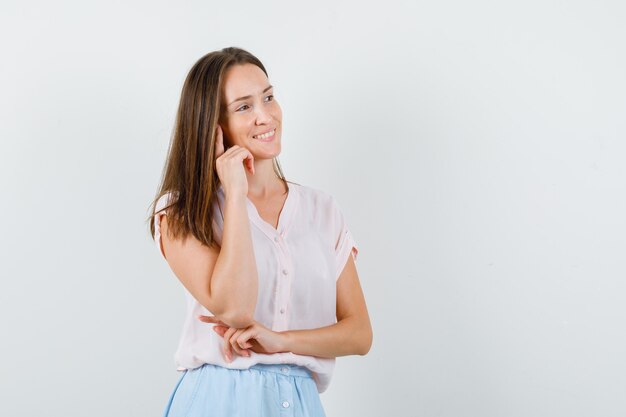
[(285, 341), (235, 197)]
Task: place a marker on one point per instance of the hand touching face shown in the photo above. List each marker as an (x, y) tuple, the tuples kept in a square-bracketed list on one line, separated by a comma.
[(230, 166)]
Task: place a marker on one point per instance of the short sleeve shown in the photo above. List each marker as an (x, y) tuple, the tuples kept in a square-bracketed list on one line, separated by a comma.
[(161, 203), (344, 241)]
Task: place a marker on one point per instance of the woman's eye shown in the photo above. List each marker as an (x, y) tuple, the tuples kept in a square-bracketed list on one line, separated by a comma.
[(245, 105)]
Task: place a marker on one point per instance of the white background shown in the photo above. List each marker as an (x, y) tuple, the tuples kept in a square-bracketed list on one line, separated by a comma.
[(476, 148)]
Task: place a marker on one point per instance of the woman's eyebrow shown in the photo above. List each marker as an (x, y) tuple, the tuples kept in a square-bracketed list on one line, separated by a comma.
[(247, 97)]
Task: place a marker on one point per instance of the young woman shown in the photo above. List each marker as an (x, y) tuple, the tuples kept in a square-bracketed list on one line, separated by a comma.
[(273, 293)]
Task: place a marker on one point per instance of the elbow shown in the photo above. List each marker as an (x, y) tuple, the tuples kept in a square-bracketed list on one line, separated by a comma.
[(233, 317), (238, 316), (235, 314), (366, 343), (237, 319)]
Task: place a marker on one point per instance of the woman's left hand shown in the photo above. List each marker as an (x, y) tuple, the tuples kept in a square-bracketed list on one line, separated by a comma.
[(255, 337)]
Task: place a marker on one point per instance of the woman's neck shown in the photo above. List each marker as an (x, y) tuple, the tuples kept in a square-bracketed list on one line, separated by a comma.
[(264, 182)]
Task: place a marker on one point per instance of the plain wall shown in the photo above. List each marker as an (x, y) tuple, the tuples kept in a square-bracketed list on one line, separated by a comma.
[(476, 148)]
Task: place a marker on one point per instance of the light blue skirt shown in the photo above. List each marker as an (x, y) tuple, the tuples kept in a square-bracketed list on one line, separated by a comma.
[(263, 390)]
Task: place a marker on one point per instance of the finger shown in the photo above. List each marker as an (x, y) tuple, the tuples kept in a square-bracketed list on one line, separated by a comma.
[(228, 353), (242, 344), (231, 151), (233, 155), (242, 155), (219, 142), (244, 337), (227, 346), (208, 319), (211, 319), (245, 344), (236, 152), (235, 345), (251, 164), (220, 329)]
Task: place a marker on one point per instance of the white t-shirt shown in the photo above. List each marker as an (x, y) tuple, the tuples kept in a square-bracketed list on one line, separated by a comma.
[(298, 266)]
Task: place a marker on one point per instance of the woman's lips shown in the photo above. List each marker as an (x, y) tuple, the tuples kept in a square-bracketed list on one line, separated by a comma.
[(268, 139)]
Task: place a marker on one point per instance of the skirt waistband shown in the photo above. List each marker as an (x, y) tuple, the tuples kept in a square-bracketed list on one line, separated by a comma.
[(284, 369)]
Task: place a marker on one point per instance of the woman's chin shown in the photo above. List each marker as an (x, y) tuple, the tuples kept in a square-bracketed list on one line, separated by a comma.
[(261, 154), (265, 152)]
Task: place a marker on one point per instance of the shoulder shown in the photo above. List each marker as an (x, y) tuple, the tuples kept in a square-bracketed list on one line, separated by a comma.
[(316, 200), (165, 200), (312, 194)]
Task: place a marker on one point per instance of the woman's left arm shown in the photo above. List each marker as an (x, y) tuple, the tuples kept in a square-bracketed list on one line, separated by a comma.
[(351, 335)]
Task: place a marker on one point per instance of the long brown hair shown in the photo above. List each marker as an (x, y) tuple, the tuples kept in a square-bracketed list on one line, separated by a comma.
[(189, 171)]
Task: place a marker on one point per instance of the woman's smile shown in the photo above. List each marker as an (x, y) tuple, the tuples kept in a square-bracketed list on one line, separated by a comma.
[(266, 137)]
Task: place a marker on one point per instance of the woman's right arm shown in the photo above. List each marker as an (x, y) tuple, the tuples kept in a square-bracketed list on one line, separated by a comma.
[(223, 280), (235, 277)]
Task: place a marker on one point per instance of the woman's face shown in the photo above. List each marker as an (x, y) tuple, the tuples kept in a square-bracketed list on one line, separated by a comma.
[(256, 113)]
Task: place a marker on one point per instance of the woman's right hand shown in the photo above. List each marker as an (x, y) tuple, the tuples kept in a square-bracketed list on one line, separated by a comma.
[(230, 166)]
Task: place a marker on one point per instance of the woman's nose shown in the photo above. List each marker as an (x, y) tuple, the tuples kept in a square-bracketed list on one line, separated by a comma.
[(263, 116)]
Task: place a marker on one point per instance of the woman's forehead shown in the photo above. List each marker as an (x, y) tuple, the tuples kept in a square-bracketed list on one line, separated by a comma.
[(244, 80)]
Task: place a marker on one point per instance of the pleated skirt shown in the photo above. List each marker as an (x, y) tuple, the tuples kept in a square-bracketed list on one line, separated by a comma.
[(263, 390)]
